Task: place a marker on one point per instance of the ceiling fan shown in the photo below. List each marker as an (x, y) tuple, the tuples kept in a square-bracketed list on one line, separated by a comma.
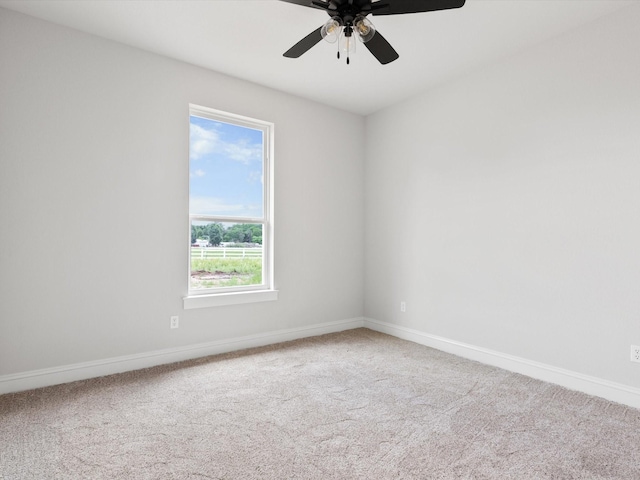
[(349, 19)]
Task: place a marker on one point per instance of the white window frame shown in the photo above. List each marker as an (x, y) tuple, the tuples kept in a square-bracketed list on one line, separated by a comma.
[(199, 298)]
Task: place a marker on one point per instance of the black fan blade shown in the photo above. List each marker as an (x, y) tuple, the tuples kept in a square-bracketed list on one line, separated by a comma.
[(396, 7), (304, 3), (381, 49), (305, 44)]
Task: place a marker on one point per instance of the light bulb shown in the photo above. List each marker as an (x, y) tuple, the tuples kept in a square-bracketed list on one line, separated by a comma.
[(364, 29), (348, 43), (331, 30)]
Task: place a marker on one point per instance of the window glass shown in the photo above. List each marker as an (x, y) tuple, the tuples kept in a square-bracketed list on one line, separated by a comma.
[(229, 210), (225, 169)]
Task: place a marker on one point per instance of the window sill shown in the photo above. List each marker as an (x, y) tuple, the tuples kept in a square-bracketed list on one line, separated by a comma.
[(234, 298)]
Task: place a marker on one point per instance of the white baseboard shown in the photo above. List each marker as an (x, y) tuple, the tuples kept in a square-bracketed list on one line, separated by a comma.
[(82, 371), (575, 381)]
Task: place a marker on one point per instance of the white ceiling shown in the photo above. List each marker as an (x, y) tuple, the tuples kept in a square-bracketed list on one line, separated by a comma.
[(246, 39)]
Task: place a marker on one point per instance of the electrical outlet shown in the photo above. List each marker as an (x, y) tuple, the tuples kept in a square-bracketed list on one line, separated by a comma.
[(174, 321), (635, 353), (403, 306)]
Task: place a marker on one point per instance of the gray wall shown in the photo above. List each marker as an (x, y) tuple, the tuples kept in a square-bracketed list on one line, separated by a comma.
[(93, 201), (513, 195)]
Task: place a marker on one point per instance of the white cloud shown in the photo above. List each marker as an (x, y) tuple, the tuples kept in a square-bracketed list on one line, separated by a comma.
[(255, 176), (199, 173), (204, 141), (217, 206), (243, 152)]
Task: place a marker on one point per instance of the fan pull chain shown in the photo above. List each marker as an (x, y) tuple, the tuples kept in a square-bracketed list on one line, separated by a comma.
[(338, 55), (347, 56)]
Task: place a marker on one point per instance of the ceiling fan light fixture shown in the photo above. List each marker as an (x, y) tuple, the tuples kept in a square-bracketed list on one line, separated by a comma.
[(331, 30), (364, 28)]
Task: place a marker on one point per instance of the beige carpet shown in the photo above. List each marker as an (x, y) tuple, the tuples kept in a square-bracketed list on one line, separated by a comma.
[(353, 405)]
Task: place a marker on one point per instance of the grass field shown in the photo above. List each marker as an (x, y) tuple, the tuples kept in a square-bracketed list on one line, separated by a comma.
[(225, 272)]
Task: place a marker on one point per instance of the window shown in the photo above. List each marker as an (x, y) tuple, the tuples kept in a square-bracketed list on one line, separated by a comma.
[(230, 209)]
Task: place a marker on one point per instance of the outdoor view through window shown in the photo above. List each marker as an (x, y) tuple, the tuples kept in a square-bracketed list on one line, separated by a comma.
[(228, 202)]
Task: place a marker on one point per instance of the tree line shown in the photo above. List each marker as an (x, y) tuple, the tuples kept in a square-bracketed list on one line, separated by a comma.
[(216, 233)]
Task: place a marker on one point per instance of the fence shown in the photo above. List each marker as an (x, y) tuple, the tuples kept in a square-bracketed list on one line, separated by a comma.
[(225, 252)]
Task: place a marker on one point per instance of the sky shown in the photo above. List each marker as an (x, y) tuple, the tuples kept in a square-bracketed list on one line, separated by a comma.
[(225, 169)]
